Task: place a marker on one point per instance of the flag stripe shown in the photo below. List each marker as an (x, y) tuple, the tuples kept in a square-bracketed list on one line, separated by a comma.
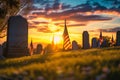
[(66, 44), (66, 39), (68, 47)]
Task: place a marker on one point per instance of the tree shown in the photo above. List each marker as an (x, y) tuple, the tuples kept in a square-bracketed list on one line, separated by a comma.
[(7, 8)]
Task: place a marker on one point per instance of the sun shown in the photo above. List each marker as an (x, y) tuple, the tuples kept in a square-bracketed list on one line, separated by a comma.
[(57, 40)]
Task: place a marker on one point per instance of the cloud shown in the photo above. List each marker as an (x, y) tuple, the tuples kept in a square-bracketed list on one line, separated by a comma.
[(44, 29), (50, 10), (114, 2), (83, 13), (39, 22), (57, 5), (89, 18), (76, 15), (32, 26), (69, 23), (83, 7), (115, 9), (70, 15), (74, 25), (90, 7), (107, 30), (42, 2), (50, 6), (65, 6), (97, 6)]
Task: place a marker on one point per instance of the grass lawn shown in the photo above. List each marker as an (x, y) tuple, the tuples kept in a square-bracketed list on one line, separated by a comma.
[(91, 64)]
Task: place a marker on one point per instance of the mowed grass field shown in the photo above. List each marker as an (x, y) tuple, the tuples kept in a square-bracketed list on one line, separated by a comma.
[(91, 64)]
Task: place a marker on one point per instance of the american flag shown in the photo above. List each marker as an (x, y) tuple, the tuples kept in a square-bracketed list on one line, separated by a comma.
[(31, 48), (66, 39), (101, 38), (112, 40)]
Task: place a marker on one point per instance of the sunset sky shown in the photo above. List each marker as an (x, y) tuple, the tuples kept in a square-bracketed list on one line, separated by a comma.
[(46, 18)]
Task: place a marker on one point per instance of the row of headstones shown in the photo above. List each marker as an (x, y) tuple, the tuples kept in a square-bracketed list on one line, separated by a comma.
[(75, 46), (99, 43), (38, 50), (22, 30)]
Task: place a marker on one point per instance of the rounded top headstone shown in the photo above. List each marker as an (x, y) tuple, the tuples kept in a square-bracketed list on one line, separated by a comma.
[(85, 32), (18, 17)]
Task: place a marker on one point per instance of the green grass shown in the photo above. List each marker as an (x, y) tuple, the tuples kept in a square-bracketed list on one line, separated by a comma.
[(91, 64)]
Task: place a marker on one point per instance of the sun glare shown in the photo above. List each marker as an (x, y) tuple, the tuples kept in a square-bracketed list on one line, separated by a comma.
[(57, 39)]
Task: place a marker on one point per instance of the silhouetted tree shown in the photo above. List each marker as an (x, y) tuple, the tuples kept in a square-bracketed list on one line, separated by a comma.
[(9, 8)]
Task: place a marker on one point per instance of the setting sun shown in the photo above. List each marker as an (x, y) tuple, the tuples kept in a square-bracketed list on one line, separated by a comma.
[(57, 39)]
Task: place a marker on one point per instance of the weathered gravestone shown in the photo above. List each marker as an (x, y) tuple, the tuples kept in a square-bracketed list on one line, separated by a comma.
[(39, 49), (75, 45), (48, 49), (94, 43), (85, 40), (17, 37)]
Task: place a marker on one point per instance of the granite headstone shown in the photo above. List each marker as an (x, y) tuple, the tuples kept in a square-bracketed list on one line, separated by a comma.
[(17, 37)]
